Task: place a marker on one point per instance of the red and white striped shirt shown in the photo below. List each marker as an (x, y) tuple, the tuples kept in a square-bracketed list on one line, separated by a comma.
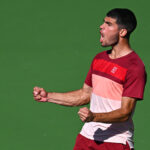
[(112, 79)]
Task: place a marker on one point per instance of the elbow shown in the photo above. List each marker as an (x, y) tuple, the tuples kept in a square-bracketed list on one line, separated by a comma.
[(125, 118), (125, 115)]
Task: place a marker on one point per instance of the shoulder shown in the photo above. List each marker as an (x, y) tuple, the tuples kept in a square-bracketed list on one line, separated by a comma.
[(136, 64), (136, 67), (101, 55)]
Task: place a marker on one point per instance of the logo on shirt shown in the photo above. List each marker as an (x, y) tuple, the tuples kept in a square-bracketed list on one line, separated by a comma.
[(114, 69)]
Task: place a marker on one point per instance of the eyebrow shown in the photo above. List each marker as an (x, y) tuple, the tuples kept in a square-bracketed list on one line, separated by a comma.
[(107, 22)]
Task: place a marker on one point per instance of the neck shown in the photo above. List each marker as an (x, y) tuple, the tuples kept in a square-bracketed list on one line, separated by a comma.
[(122, 48)]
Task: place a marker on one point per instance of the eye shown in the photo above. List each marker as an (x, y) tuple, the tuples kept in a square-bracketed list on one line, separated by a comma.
[(108, 23)]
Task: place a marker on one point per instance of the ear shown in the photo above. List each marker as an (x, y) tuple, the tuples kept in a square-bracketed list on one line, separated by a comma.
[(123, 33)]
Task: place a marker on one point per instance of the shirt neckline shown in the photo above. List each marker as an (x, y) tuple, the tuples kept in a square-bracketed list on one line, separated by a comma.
[(125, 56)]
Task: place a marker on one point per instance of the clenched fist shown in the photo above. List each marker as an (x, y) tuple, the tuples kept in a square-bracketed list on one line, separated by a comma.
[(85, 114), (40, 94)]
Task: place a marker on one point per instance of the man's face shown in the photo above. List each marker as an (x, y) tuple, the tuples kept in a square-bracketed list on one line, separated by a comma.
[(109, 31)]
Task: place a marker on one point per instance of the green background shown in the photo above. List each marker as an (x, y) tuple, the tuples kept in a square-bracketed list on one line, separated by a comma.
[(50, 43)]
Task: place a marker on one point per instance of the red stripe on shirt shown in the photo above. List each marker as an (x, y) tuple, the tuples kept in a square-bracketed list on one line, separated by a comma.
[(110, 68)]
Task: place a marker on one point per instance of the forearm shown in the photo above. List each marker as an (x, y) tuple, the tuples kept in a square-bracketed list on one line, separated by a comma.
[(74, 98), (114, 116), (119, 115)]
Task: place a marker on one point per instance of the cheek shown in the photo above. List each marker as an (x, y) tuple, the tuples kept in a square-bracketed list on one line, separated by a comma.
[(113, 35), (111, 39)]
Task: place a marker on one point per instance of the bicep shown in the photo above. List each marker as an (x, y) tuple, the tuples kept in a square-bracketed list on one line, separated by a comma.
[(86, 90)]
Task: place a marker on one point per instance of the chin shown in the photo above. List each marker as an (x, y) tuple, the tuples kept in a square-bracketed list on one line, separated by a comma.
[(105, 45)]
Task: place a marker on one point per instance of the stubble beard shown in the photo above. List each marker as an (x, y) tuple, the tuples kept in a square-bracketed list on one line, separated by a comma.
[(112, 41)]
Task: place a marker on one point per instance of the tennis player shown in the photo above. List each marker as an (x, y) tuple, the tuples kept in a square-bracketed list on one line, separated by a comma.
[(114, 83)]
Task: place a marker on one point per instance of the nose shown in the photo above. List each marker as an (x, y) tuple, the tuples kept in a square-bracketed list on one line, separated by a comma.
[(101, 26)]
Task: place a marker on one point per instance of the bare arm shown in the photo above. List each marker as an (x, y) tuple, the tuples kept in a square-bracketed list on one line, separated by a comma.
[(119, 115), (74, 98)]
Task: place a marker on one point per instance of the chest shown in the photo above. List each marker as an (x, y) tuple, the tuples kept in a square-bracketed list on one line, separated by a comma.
[(109, 70)]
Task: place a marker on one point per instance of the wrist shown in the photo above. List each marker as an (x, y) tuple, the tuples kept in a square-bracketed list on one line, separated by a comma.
[(91, 117), (49, 96)]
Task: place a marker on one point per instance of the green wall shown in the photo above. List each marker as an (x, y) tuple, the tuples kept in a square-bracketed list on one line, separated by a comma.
[(50, 43)]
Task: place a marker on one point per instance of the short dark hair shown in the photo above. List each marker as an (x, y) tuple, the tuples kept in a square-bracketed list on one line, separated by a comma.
[(125, 18)]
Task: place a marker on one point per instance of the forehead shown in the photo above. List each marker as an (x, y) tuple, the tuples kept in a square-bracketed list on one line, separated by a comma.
[(109, 19)]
